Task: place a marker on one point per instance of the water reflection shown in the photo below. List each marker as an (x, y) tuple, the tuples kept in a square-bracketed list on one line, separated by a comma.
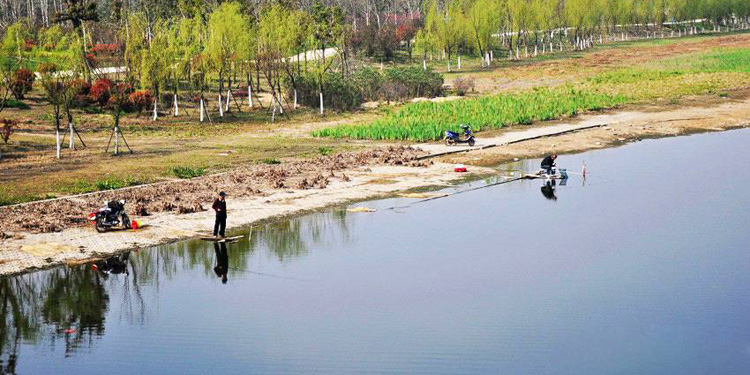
[(549, 188), (69, 305), (222, 261)]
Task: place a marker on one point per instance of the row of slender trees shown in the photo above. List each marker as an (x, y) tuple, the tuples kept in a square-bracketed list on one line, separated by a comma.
[(542, 26)]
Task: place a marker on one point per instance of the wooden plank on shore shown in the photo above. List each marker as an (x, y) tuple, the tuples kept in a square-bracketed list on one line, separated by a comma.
[(220, 239)]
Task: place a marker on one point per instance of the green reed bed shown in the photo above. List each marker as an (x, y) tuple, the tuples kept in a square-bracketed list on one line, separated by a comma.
[(427, 121)]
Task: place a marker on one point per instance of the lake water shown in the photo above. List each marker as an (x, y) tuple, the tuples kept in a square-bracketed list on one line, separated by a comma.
[(642, 269)]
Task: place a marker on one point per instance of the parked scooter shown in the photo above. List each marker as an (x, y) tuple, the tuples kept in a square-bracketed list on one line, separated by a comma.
[(109, 216), (452, 138)]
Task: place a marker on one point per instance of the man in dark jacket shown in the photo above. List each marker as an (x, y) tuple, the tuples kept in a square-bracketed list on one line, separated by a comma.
[(220, 206), (548, 163)]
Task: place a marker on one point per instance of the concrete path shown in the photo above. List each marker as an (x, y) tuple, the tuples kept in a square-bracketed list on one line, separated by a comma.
[(440, 149)]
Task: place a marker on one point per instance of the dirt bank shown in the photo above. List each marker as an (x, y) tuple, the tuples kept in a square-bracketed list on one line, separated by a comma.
[(50, 233)]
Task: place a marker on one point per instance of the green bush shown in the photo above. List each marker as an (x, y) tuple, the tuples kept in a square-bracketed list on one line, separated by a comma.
[(369, 82), (338, 93), (344, 94), (10, 103), (270, 161), (325, 150), (405, 83), (186, 172)]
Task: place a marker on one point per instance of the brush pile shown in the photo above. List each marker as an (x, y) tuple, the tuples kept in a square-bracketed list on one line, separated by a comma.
[(188, 196)]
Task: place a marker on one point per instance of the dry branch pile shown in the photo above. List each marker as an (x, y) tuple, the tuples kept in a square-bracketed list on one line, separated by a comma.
[(192, 195)]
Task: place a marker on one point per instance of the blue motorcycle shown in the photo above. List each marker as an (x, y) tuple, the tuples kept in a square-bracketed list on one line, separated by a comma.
[(452, 138)]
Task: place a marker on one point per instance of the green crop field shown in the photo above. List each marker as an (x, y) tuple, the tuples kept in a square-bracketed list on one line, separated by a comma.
[(427, 121), (696, 74)]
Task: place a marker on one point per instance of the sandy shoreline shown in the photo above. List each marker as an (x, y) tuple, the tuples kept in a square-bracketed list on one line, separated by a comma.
[(44, 250), (30, 252)]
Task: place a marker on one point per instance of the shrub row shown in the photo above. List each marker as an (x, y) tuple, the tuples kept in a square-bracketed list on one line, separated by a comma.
[(366, 84)]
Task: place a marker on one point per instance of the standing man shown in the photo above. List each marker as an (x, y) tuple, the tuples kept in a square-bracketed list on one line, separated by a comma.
[(220, 206), (548, 163)]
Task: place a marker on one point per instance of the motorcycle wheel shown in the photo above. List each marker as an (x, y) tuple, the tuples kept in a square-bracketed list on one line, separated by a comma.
[(448, 142), (471, 142), (99, 225)]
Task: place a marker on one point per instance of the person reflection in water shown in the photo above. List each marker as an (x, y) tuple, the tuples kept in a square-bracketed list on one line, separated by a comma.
[(548, 190), (222, 261)]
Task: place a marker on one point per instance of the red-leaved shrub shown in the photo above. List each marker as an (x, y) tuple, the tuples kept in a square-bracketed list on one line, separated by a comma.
[(140, 100), (100, 91), (23, 82)]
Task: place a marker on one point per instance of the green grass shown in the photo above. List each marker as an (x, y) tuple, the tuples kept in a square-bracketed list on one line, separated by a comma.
[(186, 172), (270, 161), (12, 103), (108, 183), (704, 73), (426, 121), (325, 150)]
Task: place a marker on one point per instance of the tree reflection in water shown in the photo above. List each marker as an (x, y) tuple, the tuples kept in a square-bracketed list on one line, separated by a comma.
[(70, 304)]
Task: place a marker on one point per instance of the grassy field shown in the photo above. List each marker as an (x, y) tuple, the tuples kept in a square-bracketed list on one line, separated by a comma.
[(427, 121), (705, 73), (509, 93)]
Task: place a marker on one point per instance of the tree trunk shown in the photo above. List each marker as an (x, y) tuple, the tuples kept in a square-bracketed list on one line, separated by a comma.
[(221, 107), (72, 143), (203, 110)]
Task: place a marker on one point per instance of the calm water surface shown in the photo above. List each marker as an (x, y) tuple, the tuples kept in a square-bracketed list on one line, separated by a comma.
[(642, 269)]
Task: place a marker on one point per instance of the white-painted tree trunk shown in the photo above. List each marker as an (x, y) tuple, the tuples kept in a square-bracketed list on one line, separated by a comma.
[(492, 57), (281, 104), (72, 141), (57, 143), (250, 95), (156, 114), (424, 64), (176, 106), (117, 140), (273, 111), (459, 63), (229, 96), (321, 104), (203, 110), (295, 99), (221, 107)]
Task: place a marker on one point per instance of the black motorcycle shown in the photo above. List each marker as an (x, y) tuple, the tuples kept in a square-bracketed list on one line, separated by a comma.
[(110, 216)]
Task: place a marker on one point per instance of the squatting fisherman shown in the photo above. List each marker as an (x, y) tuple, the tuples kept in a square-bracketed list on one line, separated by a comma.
[(220, 206), (548, 163)]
